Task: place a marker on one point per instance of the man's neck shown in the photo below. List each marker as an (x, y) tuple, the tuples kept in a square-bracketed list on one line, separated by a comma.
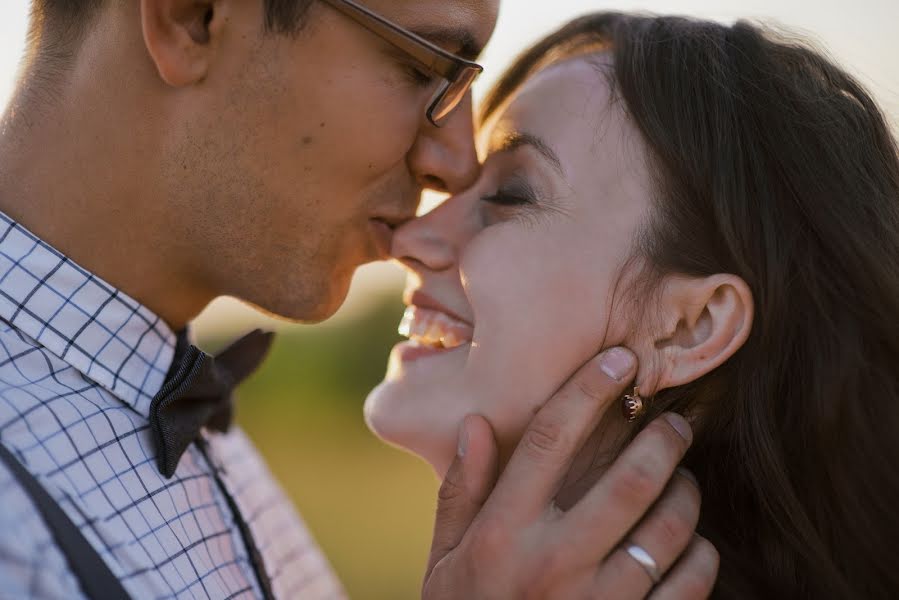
[(82, 179)]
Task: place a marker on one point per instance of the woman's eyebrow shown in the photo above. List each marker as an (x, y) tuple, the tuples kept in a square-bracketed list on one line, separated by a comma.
[(516, 139)]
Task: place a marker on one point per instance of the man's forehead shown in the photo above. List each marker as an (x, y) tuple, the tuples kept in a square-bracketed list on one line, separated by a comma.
[(463, 25)]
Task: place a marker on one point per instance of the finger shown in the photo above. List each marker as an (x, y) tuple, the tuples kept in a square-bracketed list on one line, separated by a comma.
[(664, 534), (624, 494), (693, 577), (545, 453), (466, 486)]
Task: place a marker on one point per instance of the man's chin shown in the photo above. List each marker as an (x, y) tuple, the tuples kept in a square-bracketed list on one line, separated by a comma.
[(302, 309)]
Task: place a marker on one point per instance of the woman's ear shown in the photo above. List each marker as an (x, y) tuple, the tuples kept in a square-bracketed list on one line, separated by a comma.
[(705, 321), (181, 37)]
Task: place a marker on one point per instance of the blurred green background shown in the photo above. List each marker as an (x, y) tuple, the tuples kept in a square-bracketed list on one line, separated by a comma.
[(369, 506)]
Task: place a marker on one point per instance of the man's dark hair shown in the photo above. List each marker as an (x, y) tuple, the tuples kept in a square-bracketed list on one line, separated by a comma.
[(58, 27), (285, 16), (62, 23)]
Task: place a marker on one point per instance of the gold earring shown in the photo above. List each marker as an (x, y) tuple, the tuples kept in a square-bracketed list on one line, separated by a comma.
[(633, 406)]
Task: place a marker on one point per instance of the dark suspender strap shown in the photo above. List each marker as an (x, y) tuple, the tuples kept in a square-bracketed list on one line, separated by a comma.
[(253, 552), (96, 580)]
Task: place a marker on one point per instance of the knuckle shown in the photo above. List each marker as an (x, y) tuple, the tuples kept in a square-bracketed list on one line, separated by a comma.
[(673, 529), (695, 585), (489, 541), (554, 562), (590, 388), (689, 492), (689, 503), (450, 490), (552, 572), (700, 570), (635, 485), (534, 584), (684, 499), (708, 555), (544, 437)]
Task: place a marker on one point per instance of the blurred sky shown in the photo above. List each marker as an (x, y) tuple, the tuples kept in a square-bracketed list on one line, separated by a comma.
[(861, 35)]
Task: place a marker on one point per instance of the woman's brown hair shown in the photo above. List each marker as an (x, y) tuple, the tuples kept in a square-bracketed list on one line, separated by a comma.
[(775, 165)]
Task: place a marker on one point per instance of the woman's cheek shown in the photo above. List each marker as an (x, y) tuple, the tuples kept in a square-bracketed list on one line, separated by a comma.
[(534, 323)]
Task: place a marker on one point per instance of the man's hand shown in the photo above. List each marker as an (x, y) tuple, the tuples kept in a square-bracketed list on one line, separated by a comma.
[(511, 541)]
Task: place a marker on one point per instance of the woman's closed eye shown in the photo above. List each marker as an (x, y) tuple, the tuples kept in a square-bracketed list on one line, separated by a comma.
[(501, 198), (519, 201), (519, 193), (516, 202)]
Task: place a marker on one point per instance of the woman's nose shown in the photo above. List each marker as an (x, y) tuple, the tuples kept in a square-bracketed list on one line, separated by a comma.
[(432, 241), (420, 243)]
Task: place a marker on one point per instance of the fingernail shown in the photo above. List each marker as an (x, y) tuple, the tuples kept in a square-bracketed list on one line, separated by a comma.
[(680, 425), (616, 363), (463, 440), (689, 475)]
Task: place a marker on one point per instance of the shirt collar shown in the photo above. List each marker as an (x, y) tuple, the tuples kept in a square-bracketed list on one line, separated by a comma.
[(99, 330)]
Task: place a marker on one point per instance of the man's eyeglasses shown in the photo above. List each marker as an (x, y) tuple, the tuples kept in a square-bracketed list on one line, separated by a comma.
[(458, 73)]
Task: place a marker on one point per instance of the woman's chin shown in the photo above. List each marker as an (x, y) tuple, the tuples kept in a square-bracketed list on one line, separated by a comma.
[(376, 414), (388, 417)]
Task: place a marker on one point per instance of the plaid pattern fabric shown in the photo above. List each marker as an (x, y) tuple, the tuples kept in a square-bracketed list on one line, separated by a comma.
[(79, 365)]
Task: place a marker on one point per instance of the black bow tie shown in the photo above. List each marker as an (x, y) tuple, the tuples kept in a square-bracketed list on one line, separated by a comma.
[(198, 393)]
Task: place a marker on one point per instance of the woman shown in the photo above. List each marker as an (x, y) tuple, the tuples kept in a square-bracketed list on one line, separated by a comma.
[(722, 202)]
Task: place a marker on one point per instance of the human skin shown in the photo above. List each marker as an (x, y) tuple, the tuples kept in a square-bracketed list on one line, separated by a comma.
[(184, 154), (531, 261), (201, 151)]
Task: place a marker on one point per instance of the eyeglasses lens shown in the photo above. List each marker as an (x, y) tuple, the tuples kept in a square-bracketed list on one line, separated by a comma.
[(451, 95)]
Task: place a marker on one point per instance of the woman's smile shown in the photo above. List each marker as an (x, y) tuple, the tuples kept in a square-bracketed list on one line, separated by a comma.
[(510, 282), (428, 327)]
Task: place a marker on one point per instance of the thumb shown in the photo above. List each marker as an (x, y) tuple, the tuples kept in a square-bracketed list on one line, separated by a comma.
[(466, 487)]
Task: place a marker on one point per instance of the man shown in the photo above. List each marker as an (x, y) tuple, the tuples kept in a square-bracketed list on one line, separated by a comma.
[(161, 153)]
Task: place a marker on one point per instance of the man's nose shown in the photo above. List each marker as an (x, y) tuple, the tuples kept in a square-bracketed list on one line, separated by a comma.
[(444, 158)]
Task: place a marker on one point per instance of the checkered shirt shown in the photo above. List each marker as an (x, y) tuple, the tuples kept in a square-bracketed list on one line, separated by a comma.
[(80, 362)]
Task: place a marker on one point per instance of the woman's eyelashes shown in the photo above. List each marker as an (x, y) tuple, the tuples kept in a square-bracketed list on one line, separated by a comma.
[(516, 202), (519, 201), (503, 199), (519, 194)]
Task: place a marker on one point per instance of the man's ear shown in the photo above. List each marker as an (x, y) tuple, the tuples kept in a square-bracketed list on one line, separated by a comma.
[(705, 321), (181, 36)]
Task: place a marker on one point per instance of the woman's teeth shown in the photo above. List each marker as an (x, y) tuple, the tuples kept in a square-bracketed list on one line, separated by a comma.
[(433, 328)]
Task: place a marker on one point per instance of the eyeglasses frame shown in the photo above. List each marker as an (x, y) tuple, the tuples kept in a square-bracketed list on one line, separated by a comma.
[(454, 70)]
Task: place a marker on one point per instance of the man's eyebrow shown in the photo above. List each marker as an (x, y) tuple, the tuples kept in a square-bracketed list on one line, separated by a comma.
[(462, 41), (512, 141)]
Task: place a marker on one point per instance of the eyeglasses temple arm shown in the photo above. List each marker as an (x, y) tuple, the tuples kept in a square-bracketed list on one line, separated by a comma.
[(429, 54)]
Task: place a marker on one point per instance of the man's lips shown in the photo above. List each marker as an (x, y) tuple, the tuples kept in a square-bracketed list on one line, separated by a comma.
[(382, 234), (382, 229)]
